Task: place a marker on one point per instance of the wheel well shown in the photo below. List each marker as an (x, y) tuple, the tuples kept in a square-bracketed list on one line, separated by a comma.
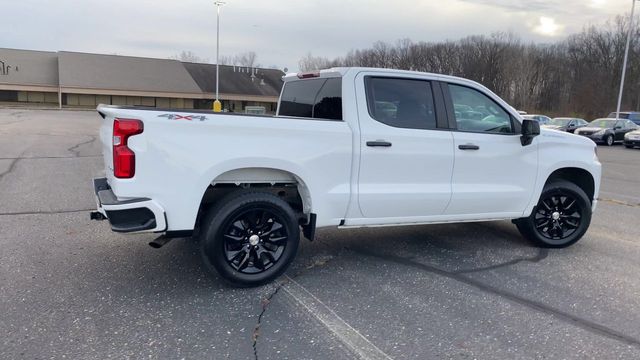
[(280, 183), (580, 177)]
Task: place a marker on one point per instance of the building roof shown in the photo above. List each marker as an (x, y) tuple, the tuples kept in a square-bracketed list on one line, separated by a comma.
[(115, 72), (105, 74), (237, 79), (27, 67)]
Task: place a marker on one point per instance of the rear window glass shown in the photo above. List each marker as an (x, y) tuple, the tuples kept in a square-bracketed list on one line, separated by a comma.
[(403, 103), (315, 98)]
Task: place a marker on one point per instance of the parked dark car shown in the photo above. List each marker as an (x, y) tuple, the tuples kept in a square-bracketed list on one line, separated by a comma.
[(542, 119), (607, 131), (628, 115), (566, 124), (632, 139)]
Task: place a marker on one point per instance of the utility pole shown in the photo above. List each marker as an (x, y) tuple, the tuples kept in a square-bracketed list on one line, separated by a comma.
[(626, 55), (217, 106)]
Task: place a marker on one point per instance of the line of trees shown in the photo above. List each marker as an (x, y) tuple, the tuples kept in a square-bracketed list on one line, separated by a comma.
[(578, 76), (248, 59)]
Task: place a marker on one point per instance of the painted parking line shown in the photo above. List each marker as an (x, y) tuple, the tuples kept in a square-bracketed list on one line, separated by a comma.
[(349, 336)]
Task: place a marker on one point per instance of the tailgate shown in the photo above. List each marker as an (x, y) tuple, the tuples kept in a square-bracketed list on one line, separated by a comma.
[(106, 135)]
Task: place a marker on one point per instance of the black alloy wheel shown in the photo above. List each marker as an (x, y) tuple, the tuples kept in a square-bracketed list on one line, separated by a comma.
[(561, 217), (557, 216), (249, 238), (254, 240)]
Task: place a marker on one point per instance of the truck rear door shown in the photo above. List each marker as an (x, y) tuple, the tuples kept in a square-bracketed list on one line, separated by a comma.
[(406, 151)]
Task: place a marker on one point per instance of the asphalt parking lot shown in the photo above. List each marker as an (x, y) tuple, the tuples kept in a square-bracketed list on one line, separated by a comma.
[(70, 288)]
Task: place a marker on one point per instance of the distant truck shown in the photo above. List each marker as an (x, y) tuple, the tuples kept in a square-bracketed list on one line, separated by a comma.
[(348, 148)]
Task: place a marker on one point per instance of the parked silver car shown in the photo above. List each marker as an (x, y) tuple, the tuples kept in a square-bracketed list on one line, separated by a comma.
[(542, 119)]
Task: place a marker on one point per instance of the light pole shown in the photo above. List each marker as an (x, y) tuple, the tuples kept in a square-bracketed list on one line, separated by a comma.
[(624, 62), (217, 106)]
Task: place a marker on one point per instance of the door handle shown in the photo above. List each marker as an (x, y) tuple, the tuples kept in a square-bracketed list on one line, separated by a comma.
[(380, 143), (468, 147)]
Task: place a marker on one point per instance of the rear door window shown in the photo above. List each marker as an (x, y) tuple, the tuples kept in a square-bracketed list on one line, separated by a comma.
[(402, 103), (313, 98)]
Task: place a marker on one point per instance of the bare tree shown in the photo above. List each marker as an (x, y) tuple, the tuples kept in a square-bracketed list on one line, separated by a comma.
[(575, 77), (310, 62), (189, 56), (248, 59)]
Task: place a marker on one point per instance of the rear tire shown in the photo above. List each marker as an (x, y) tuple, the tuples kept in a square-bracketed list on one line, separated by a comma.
[(561, 217), (249, 238), (609, 140)]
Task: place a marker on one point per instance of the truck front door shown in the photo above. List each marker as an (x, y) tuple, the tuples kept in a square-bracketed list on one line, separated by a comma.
[(493, 172)]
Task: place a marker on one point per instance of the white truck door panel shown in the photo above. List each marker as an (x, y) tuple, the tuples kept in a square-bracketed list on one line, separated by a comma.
[(495, 178), (404, 171), (493, 172)]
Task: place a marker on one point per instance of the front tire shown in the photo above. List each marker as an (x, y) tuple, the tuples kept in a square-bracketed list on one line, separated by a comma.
[(560, 219), (249, 238)]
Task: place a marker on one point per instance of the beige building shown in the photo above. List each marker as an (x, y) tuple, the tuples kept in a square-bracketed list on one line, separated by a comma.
[(70, 79)]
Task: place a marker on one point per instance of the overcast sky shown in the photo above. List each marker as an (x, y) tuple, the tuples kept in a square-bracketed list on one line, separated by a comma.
[(282, 31)]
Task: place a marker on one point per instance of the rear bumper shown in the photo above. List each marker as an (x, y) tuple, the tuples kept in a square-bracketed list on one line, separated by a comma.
[(128, 215)]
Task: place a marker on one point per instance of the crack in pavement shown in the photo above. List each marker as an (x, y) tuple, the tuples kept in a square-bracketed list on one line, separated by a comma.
[(74, 150), (17, 116), (577, 321), (541, 255), (12, 166), (256, 330), (618, 202), (14, 133), (266, 301), (49, 157), (44, 212), (10, 122)]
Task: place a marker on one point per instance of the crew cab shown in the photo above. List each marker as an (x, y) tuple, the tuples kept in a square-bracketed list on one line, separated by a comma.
[(347, 148)]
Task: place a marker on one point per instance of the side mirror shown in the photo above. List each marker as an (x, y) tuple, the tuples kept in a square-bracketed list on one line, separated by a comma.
[(617, 128), (530, 129)]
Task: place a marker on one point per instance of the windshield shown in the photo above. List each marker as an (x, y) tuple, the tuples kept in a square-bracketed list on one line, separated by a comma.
[(622, 115), (602, 123), (560, 121)]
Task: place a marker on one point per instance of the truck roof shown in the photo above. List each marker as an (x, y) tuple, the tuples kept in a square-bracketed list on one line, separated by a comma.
[(342, 71)]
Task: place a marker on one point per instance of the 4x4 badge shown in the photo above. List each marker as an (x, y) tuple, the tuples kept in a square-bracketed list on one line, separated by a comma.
[(184, 117)]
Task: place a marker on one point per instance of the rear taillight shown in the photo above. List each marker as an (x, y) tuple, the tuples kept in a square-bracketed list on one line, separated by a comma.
[(124, 159)]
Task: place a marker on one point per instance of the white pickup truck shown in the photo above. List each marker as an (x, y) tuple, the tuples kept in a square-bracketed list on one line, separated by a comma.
[(349, 147)]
